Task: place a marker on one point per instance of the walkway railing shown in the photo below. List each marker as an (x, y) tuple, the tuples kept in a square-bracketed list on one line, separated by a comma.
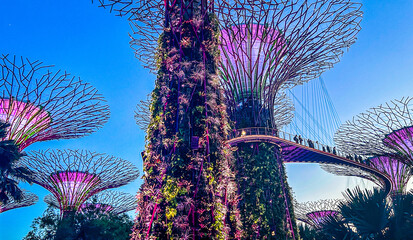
[(244, 132), (286, 136)]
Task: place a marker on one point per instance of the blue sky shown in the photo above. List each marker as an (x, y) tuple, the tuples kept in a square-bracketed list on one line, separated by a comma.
[(93, 44)]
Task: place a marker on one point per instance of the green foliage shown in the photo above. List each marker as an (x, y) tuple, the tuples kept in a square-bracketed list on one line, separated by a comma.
[(91, 224), (188, 189), (401, 221), (308, 233), (262, 203), (10, 172), (367, 210), (372, 215), (338, 228)]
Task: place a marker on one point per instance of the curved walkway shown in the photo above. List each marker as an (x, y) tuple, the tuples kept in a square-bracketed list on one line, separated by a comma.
[(296, 151)]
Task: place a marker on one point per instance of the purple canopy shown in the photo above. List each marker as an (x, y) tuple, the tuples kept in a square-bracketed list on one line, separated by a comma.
[(319, 217), (401, 140), (398, 171)]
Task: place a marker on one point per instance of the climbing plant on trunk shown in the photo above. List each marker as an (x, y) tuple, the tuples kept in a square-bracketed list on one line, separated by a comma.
[(263, 203), (189, 189)]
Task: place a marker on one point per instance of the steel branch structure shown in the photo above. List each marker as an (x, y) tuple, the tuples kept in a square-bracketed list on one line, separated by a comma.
[(28, 199), (121, 7), (279, 45), (43, 104), (315, 213), (380, 130), (72, 176), (359, 171), (392, 165), (108, 201), (384, 134), (143, 113), (264, 46), (315, 32), (265, 49)]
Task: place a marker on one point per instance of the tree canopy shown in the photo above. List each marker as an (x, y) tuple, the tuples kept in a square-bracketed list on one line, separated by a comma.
[(90, 224), (368, 214)]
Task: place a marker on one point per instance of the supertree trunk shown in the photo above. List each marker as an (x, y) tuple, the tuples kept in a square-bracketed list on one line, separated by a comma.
[(264, 191), (265, 197), (188, 190)]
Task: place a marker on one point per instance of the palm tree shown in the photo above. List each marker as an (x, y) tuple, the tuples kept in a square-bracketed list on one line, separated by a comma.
[(10, 172), (310, 233), (368, 211), (402, 217), (370, 214)]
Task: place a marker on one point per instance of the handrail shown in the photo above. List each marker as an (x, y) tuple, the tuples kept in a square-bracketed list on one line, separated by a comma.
[(286, 136), (276, 134)]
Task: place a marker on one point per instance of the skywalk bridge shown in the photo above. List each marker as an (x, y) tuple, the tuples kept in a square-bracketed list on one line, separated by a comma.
[(305, 151)]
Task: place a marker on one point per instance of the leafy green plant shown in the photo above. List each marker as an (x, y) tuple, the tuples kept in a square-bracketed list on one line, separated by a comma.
[(90, 224), (10, 172), (371, 214)]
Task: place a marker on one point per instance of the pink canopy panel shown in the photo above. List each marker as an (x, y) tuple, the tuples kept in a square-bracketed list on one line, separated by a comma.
[(248, 55), (398, 171), (401, 140), (25, 120), (318, 217), (73, 188), (42, 103)]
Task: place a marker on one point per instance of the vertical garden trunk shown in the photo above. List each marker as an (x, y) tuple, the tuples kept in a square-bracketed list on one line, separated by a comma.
[(262, 204), (261, 181), (189, 190)]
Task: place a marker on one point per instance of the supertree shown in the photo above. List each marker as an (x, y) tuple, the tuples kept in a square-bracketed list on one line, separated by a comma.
[(27, 199), (274, 48), (315, 213), (108, 201), (383, 136), (357, 171), (42, 104), (72, 176), (263, 47), (380, 130)]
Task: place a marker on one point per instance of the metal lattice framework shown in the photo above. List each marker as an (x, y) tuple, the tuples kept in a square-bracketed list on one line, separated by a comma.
[(394, 183), (143, 113), (28, 199), (72, 176), (109, 201), (399, 172), (315, 212), (42, 104), (380, 130), (346, 170), (384, 134), (264, 46), (284, 109), (281, 44)]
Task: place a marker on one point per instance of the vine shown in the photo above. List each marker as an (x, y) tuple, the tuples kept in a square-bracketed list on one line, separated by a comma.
[(189, 190)]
